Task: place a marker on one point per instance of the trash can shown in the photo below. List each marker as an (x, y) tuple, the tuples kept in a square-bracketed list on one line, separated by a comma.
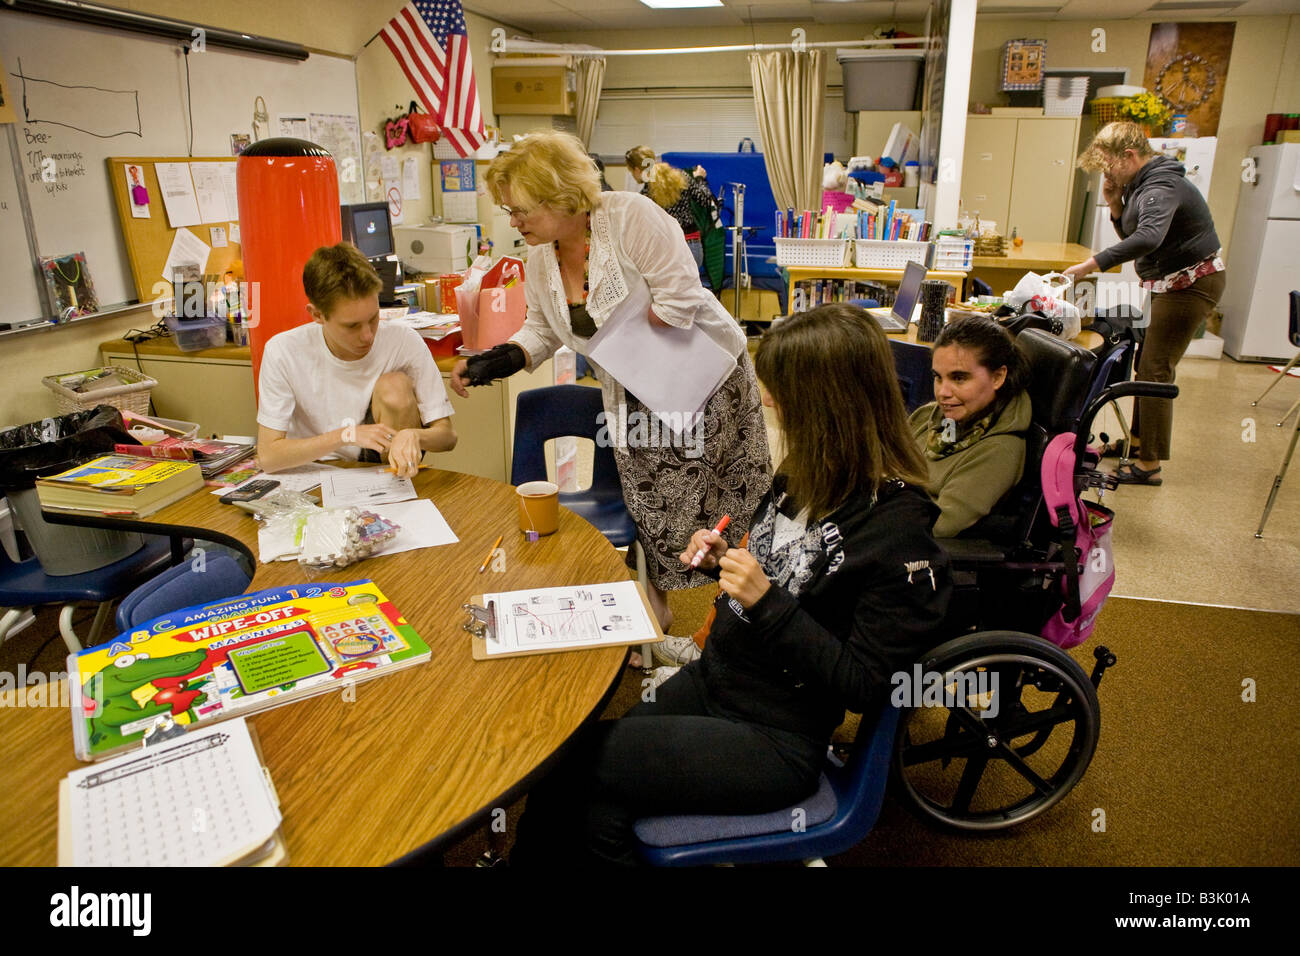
[(39, 449)]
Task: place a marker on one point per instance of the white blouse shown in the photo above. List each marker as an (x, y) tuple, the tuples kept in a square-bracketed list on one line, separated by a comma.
[(630, 236)]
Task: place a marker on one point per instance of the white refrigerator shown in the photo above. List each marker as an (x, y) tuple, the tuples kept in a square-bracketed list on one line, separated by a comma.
[(1263, 259)]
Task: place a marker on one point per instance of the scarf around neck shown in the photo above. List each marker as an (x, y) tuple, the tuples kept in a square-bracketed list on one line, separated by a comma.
[(965, 435)]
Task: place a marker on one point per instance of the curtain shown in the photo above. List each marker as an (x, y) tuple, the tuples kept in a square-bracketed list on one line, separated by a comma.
[(591, 73), (789, 90)]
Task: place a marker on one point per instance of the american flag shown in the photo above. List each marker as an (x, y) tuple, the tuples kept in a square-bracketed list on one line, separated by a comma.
[(429, 40)]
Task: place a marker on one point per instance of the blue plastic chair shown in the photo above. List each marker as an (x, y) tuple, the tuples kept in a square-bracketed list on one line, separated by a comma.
[(912, 366), (834, 819), (561, 411), (219, 576), (25, 584)]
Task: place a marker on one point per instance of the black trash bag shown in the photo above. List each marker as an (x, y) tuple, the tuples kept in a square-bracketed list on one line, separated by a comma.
[(39, 449)]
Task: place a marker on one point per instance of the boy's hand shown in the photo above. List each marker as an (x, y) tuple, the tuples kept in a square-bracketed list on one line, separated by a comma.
[(742, 577), (713, 544), (404, 453), (375, 437)]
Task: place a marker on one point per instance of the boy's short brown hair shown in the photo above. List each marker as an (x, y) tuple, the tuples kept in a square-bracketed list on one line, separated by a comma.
[(334, 273)]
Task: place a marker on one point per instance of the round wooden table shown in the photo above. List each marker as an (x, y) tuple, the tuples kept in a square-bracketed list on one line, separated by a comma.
[(421, 756)]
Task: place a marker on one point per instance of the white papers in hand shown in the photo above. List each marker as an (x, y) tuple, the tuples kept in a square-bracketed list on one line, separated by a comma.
[(363, 488), (639, 355)]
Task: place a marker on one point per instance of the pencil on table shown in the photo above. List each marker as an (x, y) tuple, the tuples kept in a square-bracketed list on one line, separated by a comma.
[(491, 551)]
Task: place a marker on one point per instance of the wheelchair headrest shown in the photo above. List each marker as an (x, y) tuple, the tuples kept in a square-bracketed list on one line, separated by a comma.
[(1059, 375)]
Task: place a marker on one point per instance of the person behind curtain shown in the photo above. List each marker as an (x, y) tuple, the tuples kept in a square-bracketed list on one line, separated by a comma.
[(688, 199)]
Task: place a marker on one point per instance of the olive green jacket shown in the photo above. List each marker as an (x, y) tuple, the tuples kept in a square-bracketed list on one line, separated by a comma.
[(968, 483)]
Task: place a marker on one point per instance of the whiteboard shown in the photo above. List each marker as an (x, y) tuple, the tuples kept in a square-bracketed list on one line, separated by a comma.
[(90, 93)]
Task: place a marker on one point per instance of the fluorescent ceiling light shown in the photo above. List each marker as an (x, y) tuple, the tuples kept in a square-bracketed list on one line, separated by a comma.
[(680, 4)]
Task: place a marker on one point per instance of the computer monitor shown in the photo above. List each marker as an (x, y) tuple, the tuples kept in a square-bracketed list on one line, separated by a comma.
[(909, 291), (366, 226)]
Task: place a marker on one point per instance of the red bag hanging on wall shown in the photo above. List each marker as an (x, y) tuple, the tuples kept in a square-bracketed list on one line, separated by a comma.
[(424, 128)]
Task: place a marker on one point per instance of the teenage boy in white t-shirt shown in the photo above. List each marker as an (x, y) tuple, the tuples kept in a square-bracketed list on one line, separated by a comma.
[(348, 381)]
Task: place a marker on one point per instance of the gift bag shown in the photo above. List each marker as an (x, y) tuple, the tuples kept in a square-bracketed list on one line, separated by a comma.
[(1048, 294), (491, 303)]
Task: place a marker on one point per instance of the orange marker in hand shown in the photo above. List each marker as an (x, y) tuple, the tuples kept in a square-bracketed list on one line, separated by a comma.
[(718, 528)]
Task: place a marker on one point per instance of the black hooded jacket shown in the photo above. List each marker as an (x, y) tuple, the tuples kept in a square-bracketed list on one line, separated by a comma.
[(872, 593), (1165, 225)]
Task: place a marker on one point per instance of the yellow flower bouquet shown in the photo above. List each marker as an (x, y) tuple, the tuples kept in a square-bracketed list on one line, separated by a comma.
[(1147, 109)]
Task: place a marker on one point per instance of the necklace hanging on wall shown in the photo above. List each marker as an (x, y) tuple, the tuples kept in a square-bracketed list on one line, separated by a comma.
[(72, 293)]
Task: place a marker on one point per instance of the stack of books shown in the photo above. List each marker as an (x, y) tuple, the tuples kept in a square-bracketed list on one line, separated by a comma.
[(119, 485), (212, 456)]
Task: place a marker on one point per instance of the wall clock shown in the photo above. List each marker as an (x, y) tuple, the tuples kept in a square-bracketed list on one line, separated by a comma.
[(1186, 82)]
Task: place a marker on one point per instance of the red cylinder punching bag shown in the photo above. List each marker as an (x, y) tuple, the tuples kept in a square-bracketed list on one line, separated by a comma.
[(288, 207)]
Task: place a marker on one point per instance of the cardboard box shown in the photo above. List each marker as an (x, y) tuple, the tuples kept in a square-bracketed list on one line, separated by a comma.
[(534, 90)]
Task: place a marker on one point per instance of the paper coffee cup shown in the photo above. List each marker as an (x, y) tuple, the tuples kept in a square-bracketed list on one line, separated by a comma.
[(539, 507)]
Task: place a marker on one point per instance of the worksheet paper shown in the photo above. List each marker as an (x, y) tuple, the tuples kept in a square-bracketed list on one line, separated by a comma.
[(187, 250), (178, 194), (229, 186), (301, 478), (422, 524), (636, 353), (585, 615), (200, 800), (209, 190), (363, 488)]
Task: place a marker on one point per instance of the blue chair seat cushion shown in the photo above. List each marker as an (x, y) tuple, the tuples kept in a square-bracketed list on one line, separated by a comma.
[(20, 582), (217, 578), (691, 828), (608, 515)]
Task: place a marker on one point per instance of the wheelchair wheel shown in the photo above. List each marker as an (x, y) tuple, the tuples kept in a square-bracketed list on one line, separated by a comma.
[(1014, 731)]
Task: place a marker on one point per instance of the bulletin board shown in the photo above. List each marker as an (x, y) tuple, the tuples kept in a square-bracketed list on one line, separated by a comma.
[(149, 241)]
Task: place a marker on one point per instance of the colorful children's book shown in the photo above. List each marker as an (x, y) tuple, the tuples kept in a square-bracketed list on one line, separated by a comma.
[(245, 654), (119, 483)]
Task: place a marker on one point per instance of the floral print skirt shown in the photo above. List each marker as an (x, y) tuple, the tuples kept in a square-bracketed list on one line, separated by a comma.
[(676, 482)]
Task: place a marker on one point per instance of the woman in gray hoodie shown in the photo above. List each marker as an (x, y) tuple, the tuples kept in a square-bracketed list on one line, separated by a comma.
[(1165, 225)]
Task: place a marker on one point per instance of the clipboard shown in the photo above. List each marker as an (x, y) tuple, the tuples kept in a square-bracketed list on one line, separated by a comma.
[(481, 621)]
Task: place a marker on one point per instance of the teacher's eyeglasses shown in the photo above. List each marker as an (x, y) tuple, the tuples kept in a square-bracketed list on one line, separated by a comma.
[(513, 212)]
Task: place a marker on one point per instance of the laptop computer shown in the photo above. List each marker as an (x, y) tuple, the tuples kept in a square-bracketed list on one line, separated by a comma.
[(906, 301)]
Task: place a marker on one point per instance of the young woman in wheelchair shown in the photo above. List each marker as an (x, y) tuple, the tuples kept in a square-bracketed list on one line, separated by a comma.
[(972, 435), (841, 586)]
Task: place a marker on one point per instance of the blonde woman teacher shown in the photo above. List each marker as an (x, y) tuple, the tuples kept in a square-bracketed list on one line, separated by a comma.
[(588, 251), (1164, 225)]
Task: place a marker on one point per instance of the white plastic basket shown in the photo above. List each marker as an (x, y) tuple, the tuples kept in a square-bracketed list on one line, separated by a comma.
[(887, 254), (953, 254), (826, 253)]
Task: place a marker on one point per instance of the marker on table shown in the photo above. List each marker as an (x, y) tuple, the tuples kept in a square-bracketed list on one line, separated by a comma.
[(718, 528)]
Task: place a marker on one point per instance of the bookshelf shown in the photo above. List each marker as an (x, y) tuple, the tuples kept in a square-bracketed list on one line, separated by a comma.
[(797, 274)]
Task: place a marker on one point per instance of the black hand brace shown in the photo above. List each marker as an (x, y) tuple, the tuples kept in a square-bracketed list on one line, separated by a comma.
[(497, 362)]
